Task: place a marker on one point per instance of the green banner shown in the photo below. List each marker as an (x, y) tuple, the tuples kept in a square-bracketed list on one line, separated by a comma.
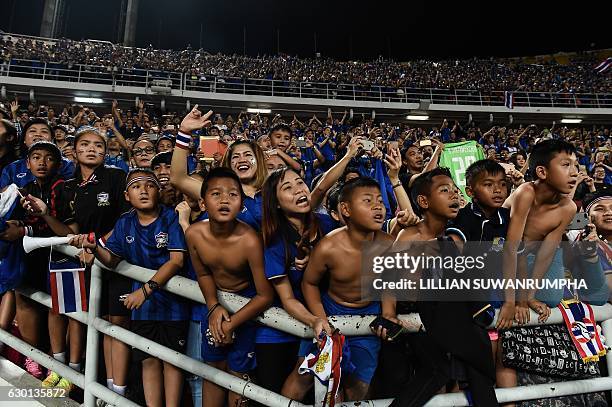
[(457, 157)]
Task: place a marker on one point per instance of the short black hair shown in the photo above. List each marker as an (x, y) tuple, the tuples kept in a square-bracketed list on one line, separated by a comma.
[(162, 158), (347, 171), (36, 120), (281, 127), (348, 189), (220, 172), (164, 138), (482, 167), (544, 152), (422, 185), (47, 146), (333, 197)]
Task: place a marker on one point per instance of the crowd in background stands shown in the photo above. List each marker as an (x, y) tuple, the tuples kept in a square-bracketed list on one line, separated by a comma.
[(485, 75), (312, 148)]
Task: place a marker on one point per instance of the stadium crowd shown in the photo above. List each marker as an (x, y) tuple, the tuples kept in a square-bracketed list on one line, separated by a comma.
[(275, 209), (577, 76)]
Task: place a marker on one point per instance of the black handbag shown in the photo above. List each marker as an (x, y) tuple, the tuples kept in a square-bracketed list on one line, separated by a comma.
[(547, 350)]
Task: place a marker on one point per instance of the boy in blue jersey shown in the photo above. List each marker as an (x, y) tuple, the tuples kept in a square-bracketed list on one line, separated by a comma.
[(339, 255), (150, 236), (231, 339)]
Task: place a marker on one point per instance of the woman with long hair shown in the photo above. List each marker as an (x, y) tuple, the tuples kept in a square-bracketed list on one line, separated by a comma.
[(243, 157), (290, 229)]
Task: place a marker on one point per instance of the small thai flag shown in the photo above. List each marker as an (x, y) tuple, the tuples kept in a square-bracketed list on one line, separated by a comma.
[(509, 100), (67, 283), (604, 65)]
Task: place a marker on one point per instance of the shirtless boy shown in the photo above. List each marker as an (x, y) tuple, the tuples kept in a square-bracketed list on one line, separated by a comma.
[(539, 213), (232, 338), (339, 254)]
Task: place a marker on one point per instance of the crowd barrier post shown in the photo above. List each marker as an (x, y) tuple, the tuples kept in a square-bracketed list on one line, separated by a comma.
[(91, 351)]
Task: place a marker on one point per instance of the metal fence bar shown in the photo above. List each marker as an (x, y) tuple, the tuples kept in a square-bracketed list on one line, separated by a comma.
[(224, 379), (92, 349), (506, 395), (40, 357), (279, 318)]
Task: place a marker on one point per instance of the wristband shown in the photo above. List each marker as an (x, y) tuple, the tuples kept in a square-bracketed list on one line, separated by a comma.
[(144, 290), (399, 184), (183, 140), (210, 311)]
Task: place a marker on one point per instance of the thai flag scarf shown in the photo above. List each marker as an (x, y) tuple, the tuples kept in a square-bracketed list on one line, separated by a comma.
[(325, 365), (580, 322), (67, 283)]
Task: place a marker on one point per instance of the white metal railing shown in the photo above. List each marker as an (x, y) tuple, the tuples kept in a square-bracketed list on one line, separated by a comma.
[(349, 325), (182, 82)]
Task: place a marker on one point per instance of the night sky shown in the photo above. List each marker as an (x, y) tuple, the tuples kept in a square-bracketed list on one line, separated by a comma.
[(401, 29)]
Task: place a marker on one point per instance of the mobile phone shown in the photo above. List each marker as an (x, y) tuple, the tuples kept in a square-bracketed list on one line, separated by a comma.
[(580, 221), (300, 142), (368, 145), (424, 143), (393, 330), (392, 145)]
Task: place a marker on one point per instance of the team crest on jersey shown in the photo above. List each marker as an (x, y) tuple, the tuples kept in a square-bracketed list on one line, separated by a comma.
[(129, 239), (161, 239), (103, 199), (21, 174), (498, 244)]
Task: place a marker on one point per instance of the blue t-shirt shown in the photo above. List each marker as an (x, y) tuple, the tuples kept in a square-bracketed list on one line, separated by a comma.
[(18, 173), (192, 163), (275, 266), (326, 150), (149, 247), (117, 162)]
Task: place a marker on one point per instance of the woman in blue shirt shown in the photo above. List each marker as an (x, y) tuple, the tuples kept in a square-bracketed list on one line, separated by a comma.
[(243, 157), (290, 229)]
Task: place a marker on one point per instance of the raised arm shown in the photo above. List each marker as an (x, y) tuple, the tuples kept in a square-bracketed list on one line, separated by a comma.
[(394, 163), (334, 173), (433, 162), (179, 177), (293, 164), (116, 114)]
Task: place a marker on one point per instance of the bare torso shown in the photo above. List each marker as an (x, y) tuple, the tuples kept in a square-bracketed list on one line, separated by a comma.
[(230, 272)]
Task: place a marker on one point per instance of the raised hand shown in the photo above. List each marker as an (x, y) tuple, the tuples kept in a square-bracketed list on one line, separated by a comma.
[(14, 106), (354, 145), (195, 120), (394, 163)]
